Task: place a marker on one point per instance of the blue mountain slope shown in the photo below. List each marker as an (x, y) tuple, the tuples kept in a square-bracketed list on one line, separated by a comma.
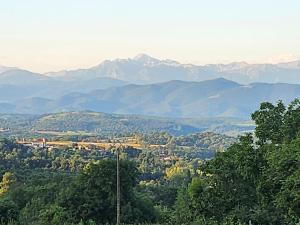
[(219, 97)]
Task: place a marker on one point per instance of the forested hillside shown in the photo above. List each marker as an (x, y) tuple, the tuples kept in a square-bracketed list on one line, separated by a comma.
[(175, 98), (255, 181), (115, 124)]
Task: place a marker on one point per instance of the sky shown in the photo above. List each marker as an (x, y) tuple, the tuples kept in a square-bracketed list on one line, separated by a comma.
[(52, 35)]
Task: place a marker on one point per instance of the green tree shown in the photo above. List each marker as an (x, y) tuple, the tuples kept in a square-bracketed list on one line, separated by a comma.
[(8, 211), (93, 194), (291, 126), (183, 206), (7, 180), (269, 122)]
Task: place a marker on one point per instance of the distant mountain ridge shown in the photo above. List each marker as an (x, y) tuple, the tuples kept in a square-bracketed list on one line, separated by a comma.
[(17, 84), (143, 69), (149, 86), (6, 68), (146, 69), (212, 98)]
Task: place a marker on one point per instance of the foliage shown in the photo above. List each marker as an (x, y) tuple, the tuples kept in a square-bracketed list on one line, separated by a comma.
[(257, 179)]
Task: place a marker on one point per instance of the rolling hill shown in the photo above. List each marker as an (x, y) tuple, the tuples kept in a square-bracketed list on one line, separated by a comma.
[(212, 98), (104, 123)]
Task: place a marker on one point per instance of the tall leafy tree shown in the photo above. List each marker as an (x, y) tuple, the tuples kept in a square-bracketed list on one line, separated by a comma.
[(269, 122), (93, 194)]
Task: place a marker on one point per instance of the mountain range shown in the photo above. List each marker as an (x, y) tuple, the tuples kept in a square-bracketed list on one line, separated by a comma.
[(146, 69), (212, 98), (148, 86)]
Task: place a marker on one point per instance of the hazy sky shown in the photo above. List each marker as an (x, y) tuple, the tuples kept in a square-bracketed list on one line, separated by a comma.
[(47, 35)]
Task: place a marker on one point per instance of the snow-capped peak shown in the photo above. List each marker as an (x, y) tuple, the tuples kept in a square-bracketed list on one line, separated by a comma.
[(146, 59)]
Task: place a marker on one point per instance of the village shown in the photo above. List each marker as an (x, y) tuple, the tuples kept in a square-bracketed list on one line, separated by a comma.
[(102, 146)]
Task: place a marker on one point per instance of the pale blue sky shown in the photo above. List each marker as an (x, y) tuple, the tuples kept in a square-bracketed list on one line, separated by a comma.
[(44, 35)]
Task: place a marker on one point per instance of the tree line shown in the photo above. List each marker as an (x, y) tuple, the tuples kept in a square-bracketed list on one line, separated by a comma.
[(256, 180)]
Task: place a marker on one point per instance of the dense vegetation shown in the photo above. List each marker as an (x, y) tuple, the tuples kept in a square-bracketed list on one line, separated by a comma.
[(256, 179)]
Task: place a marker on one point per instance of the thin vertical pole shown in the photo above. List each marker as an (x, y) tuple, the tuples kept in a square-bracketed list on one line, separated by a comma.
[(118, 186)]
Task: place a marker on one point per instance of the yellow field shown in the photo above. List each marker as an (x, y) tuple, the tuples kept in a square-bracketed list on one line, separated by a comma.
[(85, 144), (67, 133), (131, 143)]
